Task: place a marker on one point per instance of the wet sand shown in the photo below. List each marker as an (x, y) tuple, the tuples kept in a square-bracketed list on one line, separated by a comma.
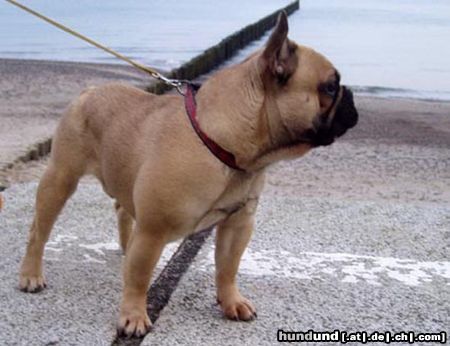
[(400, 150)]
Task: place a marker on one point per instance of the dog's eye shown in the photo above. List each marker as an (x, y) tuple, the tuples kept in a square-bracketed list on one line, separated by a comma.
[(331, 88)]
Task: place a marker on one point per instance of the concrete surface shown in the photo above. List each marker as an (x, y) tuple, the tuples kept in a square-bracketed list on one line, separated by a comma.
[(82, 267), (323, 264), (353, 237)]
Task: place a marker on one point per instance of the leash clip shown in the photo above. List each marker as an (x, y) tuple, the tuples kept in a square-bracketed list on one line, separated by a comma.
[(176, 83)]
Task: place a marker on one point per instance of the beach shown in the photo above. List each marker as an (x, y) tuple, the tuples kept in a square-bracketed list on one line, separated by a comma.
[(339, 222), (400, 148), (351, 237)]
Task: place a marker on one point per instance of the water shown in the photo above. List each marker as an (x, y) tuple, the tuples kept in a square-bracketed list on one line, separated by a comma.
[(401, 46), (160, 33), (393, 48), (396, 48)]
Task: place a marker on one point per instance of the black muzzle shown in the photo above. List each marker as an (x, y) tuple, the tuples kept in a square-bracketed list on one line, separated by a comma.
[(345, 117)]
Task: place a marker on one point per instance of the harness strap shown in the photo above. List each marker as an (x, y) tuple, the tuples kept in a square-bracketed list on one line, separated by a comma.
[(191, 109)]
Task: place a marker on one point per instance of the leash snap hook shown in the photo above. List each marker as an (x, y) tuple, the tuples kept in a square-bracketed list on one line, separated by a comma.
[(176, 83)]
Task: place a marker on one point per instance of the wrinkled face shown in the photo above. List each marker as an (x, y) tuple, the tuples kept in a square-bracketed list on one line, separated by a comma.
[(313, 105), (332, 110)]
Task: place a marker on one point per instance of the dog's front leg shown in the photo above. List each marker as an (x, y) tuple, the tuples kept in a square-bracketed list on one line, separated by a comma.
[(232, 238), (142, 255)]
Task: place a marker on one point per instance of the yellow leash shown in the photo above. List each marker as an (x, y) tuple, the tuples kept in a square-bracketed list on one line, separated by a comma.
[(155, 74)]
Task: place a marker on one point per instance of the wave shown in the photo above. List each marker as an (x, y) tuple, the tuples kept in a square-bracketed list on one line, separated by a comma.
[(387, 92)]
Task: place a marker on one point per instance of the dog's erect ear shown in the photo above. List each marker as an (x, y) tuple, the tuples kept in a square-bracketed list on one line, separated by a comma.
[(279, 54)]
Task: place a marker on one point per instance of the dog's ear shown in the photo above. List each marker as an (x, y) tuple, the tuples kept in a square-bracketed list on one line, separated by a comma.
[(279, 57)]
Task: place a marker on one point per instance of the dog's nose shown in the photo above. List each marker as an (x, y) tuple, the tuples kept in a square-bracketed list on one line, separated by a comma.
[(346, 114), (345, 117)]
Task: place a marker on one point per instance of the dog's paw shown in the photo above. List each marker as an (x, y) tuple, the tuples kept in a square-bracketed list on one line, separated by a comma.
[(32, 284), (238, 309), (133, 324)]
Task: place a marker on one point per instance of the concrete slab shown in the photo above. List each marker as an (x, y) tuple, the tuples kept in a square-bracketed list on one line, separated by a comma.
[(82, 266), (353, 236), (323, 264)]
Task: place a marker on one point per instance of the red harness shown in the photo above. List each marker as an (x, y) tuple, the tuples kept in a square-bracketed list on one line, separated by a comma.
[(191, 109)]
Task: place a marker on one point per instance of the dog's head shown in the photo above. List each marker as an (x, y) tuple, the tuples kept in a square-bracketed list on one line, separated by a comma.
[(304, 89)]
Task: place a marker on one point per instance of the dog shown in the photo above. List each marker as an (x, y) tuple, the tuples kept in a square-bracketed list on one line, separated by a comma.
[(166, 178)]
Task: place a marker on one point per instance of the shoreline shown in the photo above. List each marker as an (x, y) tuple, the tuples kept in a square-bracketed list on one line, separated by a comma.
[(365, 91)]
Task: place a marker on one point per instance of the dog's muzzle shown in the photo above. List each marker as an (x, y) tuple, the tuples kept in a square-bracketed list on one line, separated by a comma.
[(345, 117)]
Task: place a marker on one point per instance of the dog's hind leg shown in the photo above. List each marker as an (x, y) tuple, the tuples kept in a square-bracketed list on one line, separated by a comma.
[(125, 223), (67, 164), (54, 189)]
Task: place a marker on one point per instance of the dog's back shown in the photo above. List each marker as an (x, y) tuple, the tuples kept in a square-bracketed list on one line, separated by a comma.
[(104, 117)]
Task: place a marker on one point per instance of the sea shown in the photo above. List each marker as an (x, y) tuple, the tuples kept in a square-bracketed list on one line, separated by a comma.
[(387, 48)]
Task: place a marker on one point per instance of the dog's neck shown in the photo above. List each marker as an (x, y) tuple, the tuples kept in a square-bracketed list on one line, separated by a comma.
[(228, 104), (237, 111)]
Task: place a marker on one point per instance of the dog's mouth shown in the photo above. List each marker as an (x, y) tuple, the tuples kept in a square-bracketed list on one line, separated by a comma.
[(345, 117)]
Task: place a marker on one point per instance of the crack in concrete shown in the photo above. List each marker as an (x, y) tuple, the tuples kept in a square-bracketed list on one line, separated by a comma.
[(162, 288)]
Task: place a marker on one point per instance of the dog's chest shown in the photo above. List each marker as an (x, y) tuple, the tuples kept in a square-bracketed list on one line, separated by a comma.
[(214, 216), (235, 197)]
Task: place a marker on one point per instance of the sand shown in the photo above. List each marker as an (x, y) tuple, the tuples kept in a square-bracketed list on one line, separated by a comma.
[(33, 95), (400, 149)]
